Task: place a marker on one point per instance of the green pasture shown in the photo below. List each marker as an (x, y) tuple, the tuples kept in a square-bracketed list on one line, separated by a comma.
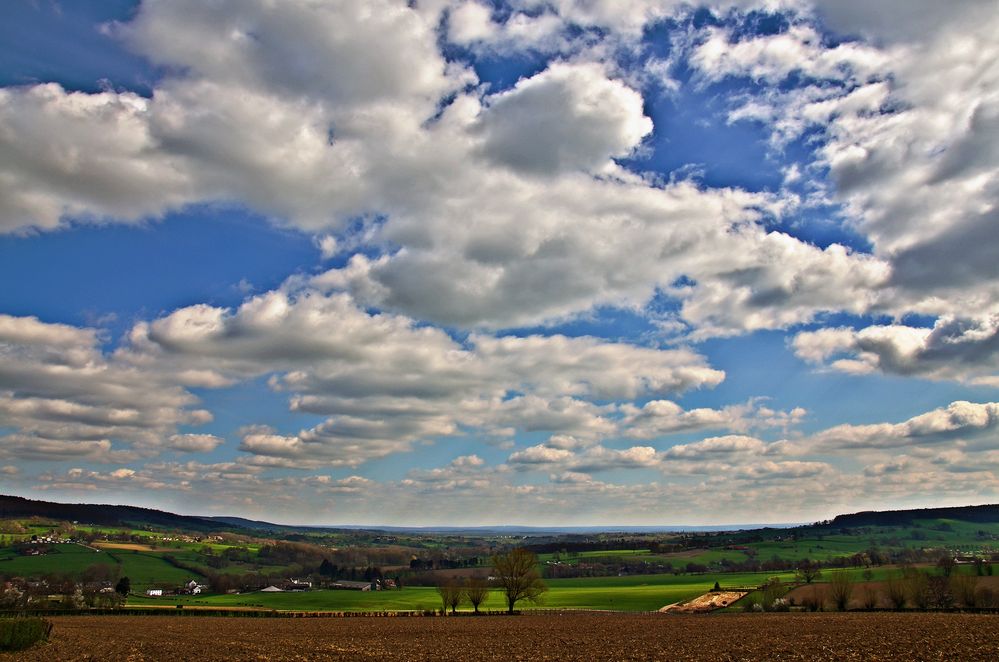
[(814, 549), (630, 598), (142, 568), (605, 556), (65, 558), (150, 570), (706, 557), (633, 593)]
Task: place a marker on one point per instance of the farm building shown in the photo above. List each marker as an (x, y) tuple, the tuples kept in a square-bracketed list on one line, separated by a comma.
[(154, 592), (272, 589), (351, 586)]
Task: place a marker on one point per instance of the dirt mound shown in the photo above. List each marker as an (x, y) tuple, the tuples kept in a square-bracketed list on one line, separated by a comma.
[(705, 603)]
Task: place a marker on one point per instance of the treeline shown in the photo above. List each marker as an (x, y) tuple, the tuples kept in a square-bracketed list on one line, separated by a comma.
[(61, 590), (986, 513), (444, 563), (17, 507), (599, 569), (605, 545)]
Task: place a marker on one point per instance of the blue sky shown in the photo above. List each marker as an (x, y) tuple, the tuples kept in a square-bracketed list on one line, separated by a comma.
[(519, 263)]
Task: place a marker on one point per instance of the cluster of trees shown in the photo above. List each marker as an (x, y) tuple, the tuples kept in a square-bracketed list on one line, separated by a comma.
[(62, 591), (923, 590), (572, 547), (331, 571), (307, 556), (611, 567), (911, 587), (614, 566), (456, 590), (515, 575), (443, 563), (226, 556)]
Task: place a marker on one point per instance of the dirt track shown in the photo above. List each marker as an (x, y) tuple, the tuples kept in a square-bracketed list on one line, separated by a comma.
[(859, 636)]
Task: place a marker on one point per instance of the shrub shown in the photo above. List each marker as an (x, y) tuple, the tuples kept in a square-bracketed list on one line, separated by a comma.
[(918, 585), (19, 633), (986, 597), (811, 601), (772, 591), (751, 601), (840, 590), (870, 597), (940, 594), (963, 588), (896, 588)]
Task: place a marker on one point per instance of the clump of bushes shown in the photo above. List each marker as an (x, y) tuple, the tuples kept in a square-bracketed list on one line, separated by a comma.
[(19, 633), (811, 602), (780, 604)]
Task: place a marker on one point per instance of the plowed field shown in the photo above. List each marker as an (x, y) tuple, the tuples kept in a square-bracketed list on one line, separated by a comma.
[(860, 636)]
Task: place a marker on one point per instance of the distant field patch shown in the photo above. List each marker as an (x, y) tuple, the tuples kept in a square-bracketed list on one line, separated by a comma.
[(60, 558), (131, 546), (630, 593)]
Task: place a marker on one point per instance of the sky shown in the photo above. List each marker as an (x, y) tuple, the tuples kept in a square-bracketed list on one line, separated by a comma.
[(455, 262)]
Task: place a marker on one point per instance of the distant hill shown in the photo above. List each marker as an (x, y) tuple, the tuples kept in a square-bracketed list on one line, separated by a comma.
[(243, 523), (13, 506), (982, 514), (271, 527)]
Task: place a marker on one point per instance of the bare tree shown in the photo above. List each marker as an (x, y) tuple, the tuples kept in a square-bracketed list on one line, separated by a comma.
[(940, 595), (477, 590), (841, 590), (808, 571), (452, 593), (870, 597), (986, 597), (946, 564), (918, 588), (896, 589), (517, 575), (963, 586)]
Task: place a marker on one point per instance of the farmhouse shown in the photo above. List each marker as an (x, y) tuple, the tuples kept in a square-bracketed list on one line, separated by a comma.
[(343, 584), (154, 592)]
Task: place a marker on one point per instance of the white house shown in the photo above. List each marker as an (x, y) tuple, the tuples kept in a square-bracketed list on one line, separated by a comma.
[(154, 592)]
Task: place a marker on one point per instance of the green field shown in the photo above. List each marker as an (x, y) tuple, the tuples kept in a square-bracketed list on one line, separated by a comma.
[(146, 570), (142, 568), (67, 558), (630, 598), (633, 593), (678, 559)]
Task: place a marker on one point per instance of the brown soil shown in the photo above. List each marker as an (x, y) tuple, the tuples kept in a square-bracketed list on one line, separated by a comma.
[(130, 546), (686, 554), (858, 636)]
